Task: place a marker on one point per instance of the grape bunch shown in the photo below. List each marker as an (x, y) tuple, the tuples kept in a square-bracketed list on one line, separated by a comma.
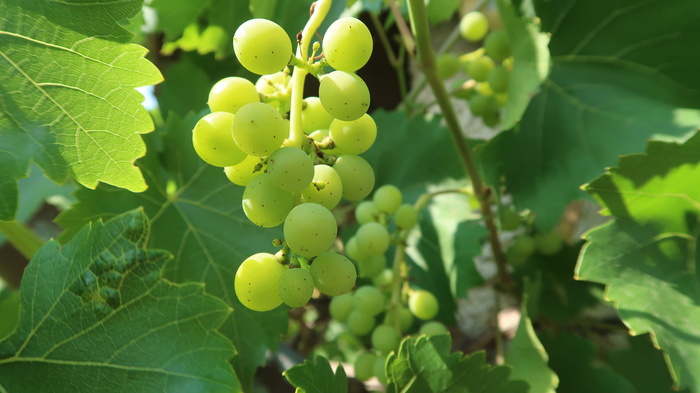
[(524, 245), (295, 164)]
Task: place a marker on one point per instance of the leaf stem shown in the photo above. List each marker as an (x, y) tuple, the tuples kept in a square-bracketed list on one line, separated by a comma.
[(21, 237)]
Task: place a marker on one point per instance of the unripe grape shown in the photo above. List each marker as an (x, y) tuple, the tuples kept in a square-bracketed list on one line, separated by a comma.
[(491, 119), (264, 204), (344, 95), (520, 250), (356, 176), (447, 65), (347, 44), (296, 287), (310, 229), (383, 280), (257, 282), (423, 304), (320, 135), (212, 140), (270, 84), (372, 266), (333, 274), (229, 94), (366, 211), (364, 366), (242, 173), (290, 169), (380, 369), (481, 105), (385, 338), (352, 251), (480, 68), (360, 323), (262, 46), (327, 196), (406, 319), (259, 129), (499, 78), (354, 137), (497, 45), (406, 216), (373, 238), (510, 220), (341, 306), (433, 328), (474, 26), (369, 300), (549, 243), (387, 198), (314, 116)]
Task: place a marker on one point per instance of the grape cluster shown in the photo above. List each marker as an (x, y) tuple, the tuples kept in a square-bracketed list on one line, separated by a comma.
[(288, 181), (526, 244)]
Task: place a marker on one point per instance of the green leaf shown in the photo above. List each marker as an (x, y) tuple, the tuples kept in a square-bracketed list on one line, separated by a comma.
[(467, 245), (652, 244), (196, 214), (98, 316), (67, 97), (529, 359), (425, 365), (9, 310), (605, 96), (316, 376)]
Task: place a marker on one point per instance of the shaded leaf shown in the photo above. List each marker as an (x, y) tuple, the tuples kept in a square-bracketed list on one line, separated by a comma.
[(467, 245), (316, 376), (9, 310)]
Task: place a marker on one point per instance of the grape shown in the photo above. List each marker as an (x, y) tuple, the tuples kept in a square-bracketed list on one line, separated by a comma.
[(366, 211), (270, 84), (372, 266), (264, 204), (290, 169), (405, 318), (319, 135), (325, 188), (347, 44), (433, 328), (344, 95), (314, 116), (406, 216), (501, 99), (356, 176), (369, 300), (510, 220), (385, 338), (497, 45), (383, 280), (549, 243), (310, 229), (524, 245), (387, 198), (364, 366), (380, 369), (491, 119), (481, 105), (341, 307), (447, 65), (212, 140), (372, 238), (480, 68), (296, 287), (257, 282), (262, 46), (499, 78), (359, 323), (423, 304), (474, 26), (259, 129), (484, 89), (229, 94), (333, 274), (352, 251), (242, 173), (356, 136)]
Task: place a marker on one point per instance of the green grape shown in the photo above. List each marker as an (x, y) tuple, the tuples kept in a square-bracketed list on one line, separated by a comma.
[(333, 274), (549, 243), (464, 89), (229, 94), (356, 136), (433, 328), (344, 95), (499, 78), (372, 266), (356, 176), (314, 116), (264, 204), (296, 287), (352, 251), (406, 319), (310, 229), (385, 338), (383, 280), (366, 211), (501, 99), (259, 129), (360, 323), (347, 44), (380, 369), (369, 300), (290, 169), (325, 188), (491, 119), (481, 105), (406, 216), (273, 83), (212, 140), (484, 89), (320, 135), (480, 68), (387, 198), (242, 173), (510, 219), (447, 65), (373, 238), (262, 46), (364, 366), (257, 282), (474, 26), (423, 304), (520, 250), (341, 307), (497, 45)]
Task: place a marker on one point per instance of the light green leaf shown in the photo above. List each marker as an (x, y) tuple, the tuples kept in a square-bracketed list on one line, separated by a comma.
[(175, 15), (316, 376), (67, 97), (425, 365), (97, 316)]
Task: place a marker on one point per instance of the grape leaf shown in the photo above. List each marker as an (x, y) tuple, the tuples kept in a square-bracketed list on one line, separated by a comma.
[(652, 244), (196, 214), (9, 309), (316, 376), (96, 315), (605, 97), (67, 97), (467, 245), (425, 365), (175, 15)]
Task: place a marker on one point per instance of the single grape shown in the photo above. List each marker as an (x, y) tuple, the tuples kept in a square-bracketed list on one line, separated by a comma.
[(290, 169), (264, 204), (296, 287), (341, 307), (524, 245), (480, 68), (406, 216), (242, 173), (499, 78), (383, 280), (385, 338), (262, 46), (497, 45), (510, 219), (380, 369), (314, 116), (259, 129), (211, 138), (464, 89), (369, 300), (423, 304), (333, 274), (320, 135), (406, 319), (364, 366), (354, 137), (347, 44), (310, 229), (484, 89), (373, 238), (325, 188), (344, 95), (549, 243), (387, 198), (366, 211), (229, 94), (359, 323), (433, 328), (371, 266), (481, 105), (356, 176), (474, 26), (273, 83), (257, 282), (352, 251), (447, 65), (491, 119)]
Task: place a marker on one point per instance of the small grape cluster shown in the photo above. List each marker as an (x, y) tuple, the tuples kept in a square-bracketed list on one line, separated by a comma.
[(526, 244), (293, 175), (489, 68)]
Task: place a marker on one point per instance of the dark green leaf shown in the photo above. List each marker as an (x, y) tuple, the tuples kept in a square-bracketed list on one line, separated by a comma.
[(9, 310), (316, 376), (175, 15), (467, 245)]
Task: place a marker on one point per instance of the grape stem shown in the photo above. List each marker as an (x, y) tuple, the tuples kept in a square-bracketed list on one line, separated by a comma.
[(483, 193)]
